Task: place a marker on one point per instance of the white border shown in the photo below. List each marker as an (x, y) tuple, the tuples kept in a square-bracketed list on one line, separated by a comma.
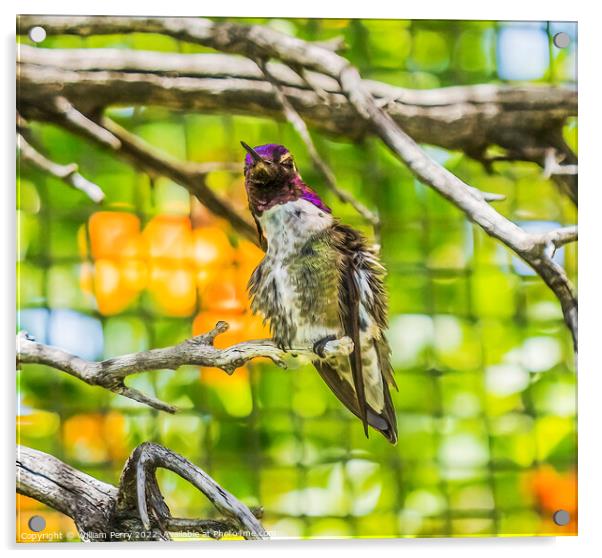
[(590, 286)]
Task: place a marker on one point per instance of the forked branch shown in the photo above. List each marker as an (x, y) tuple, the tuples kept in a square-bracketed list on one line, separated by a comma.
[(136, 509)]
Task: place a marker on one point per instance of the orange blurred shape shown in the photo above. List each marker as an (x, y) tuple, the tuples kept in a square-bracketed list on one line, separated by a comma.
[(173, 288), (555, 491), (95, 437), (117, 284), (113, 428), (86, 278), (223, 294), (27, 503), (168, 236), (133, 274), (248, 257), (249, 253), (256, 329), (211, 247), (217, 378), (205, 276), (114, 234)]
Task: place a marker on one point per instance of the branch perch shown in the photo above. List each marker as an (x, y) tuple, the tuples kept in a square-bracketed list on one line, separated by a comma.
[(110, 374), (135, 510)]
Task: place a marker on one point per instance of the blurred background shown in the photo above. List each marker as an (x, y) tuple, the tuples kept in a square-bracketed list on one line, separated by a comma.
[(487, 397)]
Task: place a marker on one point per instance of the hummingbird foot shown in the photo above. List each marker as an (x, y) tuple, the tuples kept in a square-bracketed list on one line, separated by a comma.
[(331, 347), (320, 345)]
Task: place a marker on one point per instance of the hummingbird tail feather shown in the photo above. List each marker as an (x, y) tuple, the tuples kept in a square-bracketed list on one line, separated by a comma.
[(383, 421)]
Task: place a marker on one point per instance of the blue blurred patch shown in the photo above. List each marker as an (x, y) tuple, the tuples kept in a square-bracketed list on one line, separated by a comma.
[(523, 51), (76, 333), (35, 322)]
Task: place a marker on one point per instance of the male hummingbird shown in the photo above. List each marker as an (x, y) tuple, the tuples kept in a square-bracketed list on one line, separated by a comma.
[(320, 281)]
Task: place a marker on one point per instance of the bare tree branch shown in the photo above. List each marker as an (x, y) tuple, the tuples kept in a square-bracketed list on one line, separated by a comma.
[(190, 175), (136, 510), (558, 237), (79, 122), (67, 173), (85, 499), (200, 351), (466, 118), (529, 247)]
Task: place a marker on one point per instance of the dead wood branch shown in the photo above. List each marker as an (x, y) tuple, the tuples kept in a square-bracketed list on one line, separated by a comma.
[(135, 510), (466, 118), (110, 374)]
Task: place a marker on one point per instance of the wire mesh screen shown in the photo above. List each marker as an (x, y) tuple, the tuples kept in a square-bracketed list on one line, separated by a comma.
[(486, 404)]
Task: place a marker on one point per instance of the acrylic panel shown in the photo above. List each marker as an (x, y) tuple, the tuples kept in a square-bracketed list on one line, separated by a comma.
[(425, 200)]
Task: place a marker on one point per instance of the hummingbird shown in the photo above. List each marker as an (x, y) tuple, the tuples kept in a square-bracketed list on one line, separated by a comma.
[(320, 280)]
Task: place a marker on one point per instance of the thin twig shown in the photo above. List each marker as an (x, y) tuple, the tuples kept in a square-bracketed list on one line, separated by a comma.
[(301, 128), (553, 167), (67, 173), (80, 122), (557, 238), (200, 351)]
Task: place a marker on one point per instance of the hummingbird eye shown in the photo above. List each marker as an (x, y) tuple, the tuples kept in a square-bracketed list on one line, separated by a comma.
[(287, 161)]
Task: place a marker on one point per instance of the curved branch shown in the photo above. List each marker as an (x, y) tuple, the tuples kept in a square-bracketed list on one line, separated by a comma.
[(200, 351), (67, 173), (138, 490), (103, 512)]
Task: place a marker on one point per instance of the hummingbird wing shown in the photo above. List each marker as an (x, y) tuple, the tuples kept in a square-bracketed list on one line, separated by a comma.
[(349, 307), (361, 381)]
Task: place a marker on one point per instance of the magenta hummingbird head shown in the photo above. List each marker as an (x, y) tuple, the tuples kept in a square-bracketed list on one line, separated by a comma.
[(271, 177), (268, 152)]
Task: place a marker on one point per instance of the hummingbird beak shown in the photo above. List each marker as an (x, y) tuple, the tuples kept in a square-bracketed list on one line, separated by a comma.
[(256, 157)]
